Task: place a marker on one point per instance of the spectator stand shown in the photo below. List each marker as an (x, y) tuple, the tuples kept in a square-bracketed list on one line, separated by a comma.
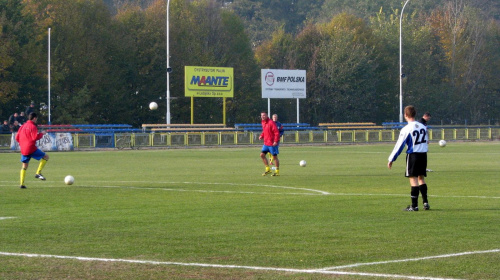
[(287, 126), (185, 128), (349, 126), (59, 128), (187, 133), (393, 125), (106, 134)]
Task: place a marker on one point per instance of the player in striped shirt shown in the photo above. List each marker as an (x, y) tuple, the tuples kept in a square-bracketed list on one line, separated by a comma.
[(414, 136)]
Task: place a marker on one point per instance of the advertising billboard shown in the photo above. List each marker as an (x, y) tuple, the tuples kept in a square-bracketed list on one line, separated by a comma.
[(283, 83), (208, 81)]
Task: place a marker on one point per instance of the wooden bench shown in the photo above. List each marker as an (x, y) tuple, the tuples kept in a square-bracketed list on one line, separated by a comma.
[(394, 125), (182, 125), (102, 126), (194, 129), (63, 130), (186, 127), (355, 127), (350, 125), (59, 128), (286, 126)]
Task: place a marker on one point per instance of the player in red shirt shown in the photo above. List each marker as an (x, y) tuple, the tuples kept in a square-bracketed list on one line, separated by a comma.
[(27, 137), (271, 136)]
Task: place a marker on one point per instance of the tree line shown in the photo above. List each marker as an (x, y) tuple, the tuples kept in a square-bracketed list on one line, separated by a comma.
[(108, 65)]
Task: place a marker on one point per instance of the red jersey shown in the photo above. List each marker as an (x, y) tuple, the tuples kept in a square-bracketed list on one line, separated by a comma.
[(270, 132), (27, 137)]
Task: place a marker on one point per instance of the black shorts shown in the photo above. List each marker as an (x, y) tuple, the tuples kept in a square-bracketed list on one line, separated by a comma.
[(416, 165)]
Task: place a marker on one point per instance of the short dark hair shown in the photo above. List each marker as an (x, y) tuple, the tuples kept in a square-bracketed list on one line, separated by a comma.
[(410, 111), (427, 114), (32, 115)]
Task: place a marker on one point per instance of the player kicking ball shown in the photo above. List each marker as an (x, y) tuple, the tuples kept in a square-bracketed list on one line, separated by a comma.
[(414, 136), (271, 137), (27, 137)]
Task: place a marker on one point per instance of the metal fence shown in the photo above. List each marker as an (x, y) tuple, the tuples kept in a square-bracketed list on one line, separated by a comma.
[(188, 139)]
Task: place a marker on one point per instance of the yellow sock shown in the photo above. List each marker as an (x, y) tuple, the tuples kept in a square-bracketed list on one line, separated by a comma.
[(23, 175), (41, 165), (277, 171), (267, 168)]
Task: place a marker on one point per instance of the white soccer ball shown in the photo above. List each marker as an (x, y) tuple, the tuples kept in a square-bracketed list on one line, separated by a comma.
[(153, 106), (442, 143), (69, 180), (302, 163)]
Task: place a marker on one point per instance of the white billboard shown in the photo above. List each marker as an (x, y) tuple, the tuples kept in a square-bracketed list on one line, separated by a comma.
[(283, 83)]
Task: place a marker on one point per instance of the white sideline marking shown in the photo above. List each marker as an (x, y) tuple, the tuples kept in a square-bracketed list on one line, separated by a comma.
[(316, 192), (276, 269), (269, 186), (414, 259), (201, 191), (5, 218), (313, 191), (233, 184)]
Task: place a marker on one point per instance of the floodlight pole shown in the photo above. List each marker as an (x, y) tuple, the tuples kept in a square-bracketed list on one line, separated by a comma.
[(48, 74), (401, 74), (168, 65)]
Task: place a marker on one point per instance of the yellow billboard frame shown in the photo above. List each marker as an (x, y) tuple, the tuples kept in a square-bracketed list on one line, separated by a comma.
[(200, 81)]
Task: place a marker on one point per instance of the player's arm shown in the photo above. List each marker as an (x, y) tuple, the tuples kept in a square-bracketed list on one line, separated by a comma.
[(261, 136), (35, 135), (398, 148), (276, 133), (281, 130), (40, 135)]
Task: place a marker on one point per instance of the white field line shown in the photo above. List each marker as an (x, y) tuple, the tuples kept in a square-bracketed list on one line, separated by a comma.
[(268, 186), (233, 184), (413, 259), (5, 218), (274, 269), (312, 191)]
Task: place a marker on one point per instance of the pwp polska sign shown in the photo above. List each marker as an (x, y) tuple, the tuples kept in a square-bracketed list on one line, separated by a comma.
[(283, 83), (209, 81)]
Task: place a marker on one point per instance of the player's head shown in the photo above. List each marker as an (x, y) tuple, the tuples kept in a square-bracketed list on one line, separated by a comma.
[(263, 116), (410, 112), (275, 117), (32, 116), (427, 116)]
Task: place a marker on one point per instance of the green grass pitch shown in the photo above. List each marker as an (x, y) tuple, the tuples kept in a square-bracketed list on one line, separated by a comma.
[(209, 214)]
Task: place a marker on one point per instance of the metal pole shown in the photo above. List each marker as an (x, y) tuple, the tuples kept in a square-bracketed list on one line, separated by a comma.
[(298, 106), (401, 74), (269, 106), (49, 74), (168, 65)]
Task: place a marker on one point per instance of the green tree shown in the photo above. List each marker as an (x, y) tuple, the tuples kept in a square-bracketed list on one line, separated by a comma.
[(422, 86), (83, 51), (339, 58), (465, 38), (347, 68), (202, 33), (21, 72)]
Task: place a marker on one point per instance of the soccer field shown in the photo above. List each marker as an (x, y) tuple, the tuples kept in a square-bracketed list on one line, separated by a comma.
[(209, 214)]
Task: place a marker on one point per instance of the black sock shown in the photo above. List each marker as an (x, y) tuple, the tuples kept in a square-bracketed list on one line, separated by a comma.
[(414, 196), (423, 191)]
